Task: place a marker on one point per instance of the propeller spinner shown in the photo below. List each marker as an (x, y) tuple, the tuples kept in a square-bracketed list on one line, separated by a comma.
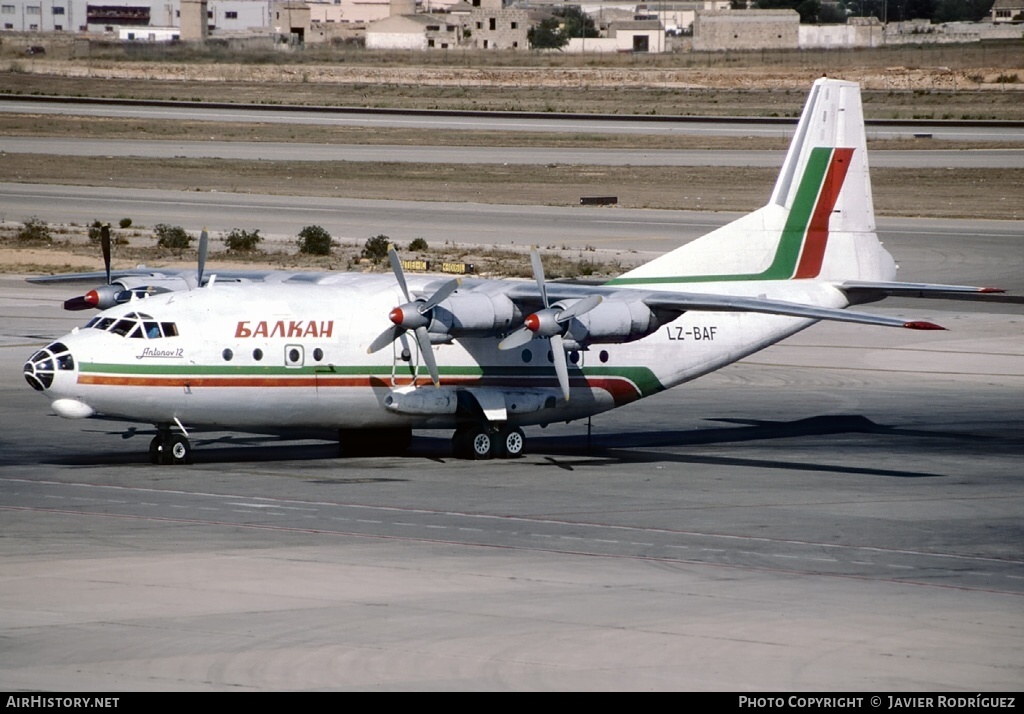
[(413, 315)]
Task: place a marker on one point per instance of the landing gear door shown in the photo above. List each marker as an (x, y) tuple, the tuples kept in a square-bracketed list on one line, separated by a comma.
[(294, 356)]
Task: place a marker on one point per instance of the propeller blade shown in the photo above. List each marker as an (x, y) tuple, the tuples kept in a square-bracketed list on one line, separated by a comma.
[(105, 246), (204, 247), (428, 355), (396, 268), (384, 339), (561, 365), (538, 275), (440, 295), (516, 339), (578, 308)]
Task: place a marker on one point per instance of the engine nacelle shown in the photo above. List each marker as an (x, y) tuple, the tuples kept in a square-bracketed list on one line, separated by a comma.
[(422, 402), (475, 315), (613, 321)]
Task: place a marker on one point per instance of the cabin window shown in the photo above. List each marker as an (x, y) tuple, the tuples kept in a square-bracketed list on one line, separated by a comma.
[(318, 354), (527, 356), (227, 354), (257, 354)]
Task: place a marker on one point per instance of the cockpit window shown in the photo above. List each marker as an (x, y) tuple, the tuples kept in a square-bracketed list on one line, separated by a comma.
[(41, 366), (123, 327), (135, 325)]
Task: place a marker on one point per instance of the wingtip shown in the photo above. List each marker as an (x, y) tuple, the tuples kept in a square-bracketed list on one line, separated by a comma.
[(922, 325)]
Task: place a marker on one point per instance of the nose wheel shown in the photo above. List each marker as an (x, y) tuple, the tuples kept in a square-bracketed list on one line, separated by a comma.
[(170, 449)]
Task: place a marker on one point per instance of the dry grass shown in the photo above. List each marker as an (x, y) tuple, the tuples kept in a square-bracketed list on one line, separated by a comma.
[(71, 252), (964, 193)]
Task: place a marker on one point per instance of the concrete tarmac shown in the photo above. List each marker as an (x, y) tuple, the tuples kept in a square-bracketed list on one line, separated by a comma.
[(839, 512)]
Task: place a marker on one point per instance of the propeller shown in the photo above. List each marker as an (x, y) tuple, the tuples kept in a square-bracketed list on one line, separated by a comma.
[(551, 322), (413, 315), (92, 298), (204, 248)]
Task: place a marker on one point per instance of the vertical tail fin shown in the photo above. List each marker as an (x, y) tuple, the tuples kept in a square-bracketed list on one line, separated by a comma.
[(819, 222)]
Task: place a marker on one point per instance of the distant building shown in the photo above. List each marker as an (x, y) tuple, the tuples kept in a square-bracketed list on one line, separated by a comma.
[(1008, 11), (716, 30), (480, 24)]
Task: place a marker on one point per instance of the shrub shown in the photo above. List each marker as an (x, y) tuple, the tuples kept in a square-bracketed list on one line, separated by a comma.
[(95, 231), (171, 237), (35, 230), (242, 241), (125, 223), (376, 248), (418, 244), (314, 240)]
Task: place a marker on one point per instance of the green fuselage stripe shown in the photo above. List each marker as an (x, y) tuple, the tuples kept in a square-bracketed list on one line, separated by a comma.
[(642, 377)]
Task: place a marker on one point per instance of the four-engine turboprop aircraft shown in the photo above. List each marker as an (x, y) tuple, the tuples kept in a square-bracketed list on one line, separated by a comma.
[(375, 356)]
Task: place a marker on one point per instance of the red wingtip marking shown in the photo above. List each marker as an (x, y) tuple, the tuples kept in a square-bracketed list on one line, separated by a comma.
[(922, 325), (991, 290)]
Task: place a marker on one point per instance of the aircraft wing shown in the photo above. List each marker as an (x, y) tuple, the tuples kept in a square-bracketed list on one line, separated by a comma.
[(860, 291), (528, 296), (731, 303), (144, 272)]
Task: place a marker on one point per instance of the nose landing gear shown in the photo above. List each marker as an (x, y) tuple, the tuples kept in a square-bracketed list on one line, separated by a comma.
[(168, 448)]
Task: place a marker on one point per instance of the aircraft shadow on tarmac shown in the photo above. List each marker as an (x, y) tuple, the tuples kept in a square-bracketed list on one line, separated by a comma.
[(566, 452)]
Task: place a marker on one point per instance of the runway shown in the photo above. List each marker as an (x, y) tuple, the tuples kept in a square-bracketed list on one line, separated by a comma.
[(839, 512), (494, 121), (275, 151)]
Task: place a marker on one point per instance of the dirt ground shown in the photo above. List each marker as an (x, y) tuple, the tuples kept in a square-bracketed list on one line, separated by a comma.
[(982, 81), (968, 82)]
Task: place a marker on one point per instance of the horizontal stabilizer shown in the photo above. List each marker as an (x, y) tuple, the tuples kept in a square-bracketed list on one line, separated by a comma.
[(860, 291)]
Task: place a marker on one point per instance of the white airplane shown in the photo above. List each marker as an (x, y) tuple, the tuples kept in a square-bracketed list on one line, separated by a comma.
[(374, 356)]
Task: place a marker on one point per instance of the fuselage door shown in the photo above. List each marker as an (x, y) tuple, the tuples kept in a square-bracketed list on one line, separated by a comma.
[(294, 356)]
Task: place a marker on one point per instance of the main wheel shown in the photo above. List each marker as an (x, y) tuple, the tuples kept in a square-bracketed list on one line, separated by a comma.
[(179, 449), (509, 443), (472, 442), (480, 443)]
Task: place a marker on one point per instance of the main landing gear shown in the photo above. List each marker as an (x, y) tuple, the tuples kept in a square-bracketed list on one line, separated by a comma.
[(481, 441), (168, 448)]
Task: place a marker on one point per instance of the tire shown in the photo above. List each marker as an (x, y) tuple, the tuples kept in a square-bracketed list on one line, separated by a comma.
[(481, 443), (179, 450), (156, 449), (510, 443)]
